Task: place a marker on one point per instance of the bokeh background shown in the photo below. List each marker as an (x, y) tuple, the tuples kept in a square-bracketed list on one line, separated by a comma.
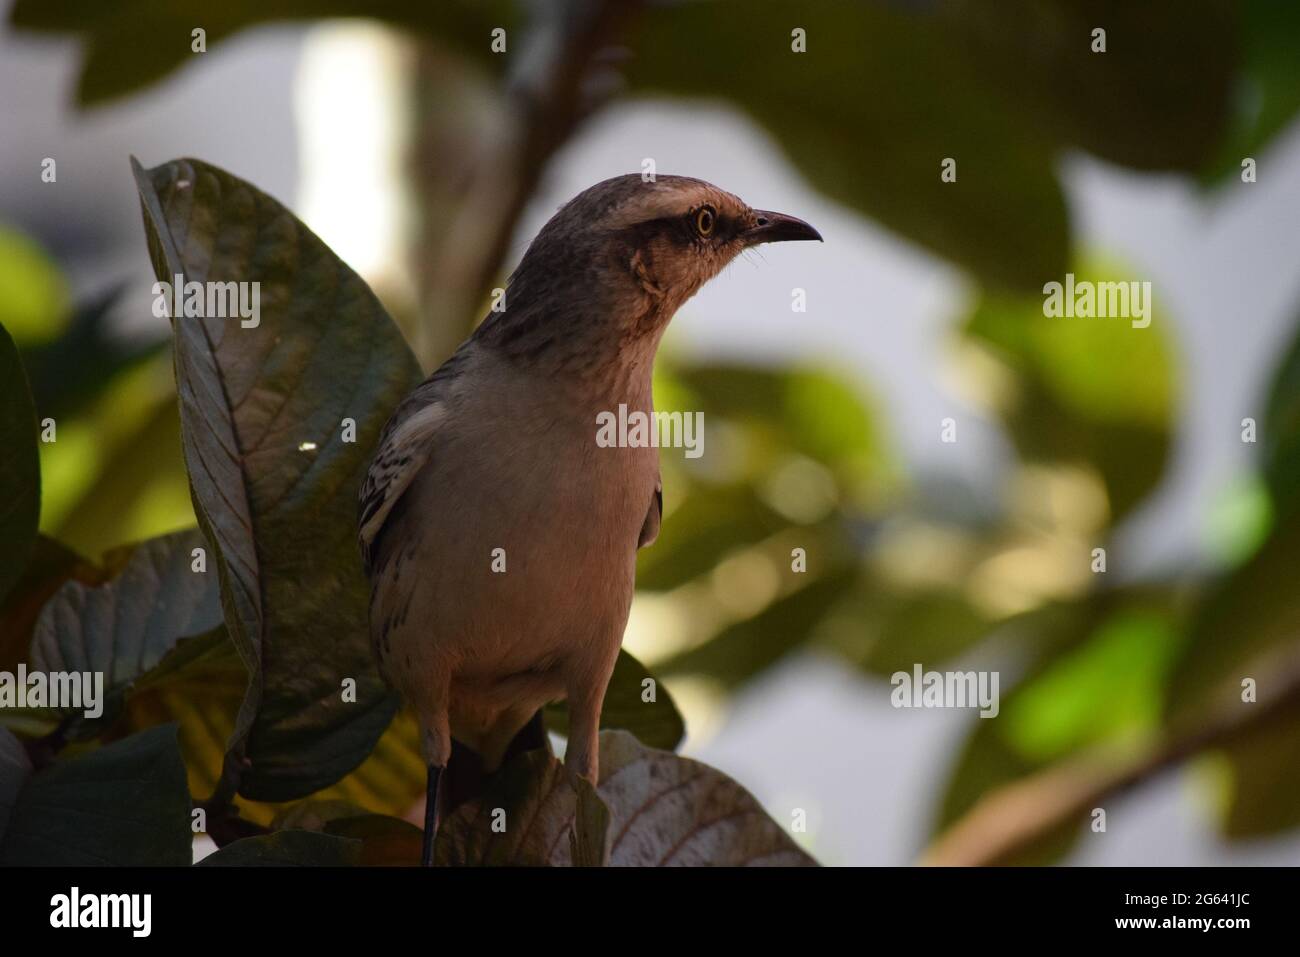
[(427, 161)]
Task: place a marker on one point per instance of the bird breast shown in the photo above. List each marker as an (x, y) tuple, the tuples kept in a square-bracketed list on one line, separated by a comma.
[(524, 531)]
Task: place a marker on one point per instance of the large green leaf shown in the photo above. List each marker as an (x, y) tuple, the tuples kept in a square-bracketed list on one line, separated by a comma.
[(20, 476), (122, 804), (274, 481), (663, 810), (126, 626), (656, 723)]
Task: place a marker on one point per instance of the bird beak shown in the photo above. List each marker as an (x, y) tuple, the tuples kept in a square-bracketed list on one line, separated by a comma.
[(772, 227)]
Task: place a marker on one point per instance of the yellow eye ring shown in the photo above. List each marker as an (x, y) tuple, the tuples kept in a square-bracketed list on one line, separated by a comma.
[(705, 218)]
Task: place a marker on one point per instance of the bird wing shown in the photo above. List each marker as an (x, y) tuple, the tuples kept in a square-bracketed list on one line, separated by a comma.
[(653, 518), (404, 448)]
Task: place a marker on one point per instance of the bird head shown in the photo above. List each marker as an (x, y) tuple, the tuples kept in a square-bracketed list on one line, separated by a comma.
[(673, 234), (613, 265)]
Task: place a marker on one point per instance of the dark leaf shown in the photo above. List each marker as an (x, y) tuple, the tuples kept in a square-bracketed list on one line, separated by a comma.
[(204, 696), (1159, 97), (1249, 625), (1004, 218), (525, 817), (1280, 433), (125, 627), (1268, 94), (385, 841), (20, 470), (1250, 628), (672, 811), (287, 849), (1246, 629), (51, 565), (198, 685), (1016, 84), (15, 771), (273, 480), (1265, 779), (122, 804), (392, 777), (662, 810), (137, 43)]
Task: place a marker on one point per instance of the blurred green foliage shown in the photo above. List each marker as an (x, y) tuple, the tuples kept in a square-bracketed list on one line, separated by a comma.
[(897, 572)]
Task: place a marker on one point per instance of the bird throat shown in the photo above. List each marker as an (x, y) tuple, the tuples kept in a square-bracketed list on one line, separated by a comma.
[(604, 348)]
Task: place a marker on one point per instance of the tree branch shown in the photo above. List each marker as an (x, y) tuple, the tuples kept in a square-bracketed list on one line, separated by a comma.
[(1011, 819), (555, 86)]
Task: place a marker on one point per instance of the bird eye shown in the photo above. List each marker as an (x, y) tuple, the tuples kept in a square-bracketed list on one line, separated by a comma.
[(704, 220)]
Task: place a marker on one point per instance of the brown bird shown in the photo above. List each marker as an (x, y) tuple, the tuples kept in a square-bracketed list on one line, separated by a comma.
[(500, 538)]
